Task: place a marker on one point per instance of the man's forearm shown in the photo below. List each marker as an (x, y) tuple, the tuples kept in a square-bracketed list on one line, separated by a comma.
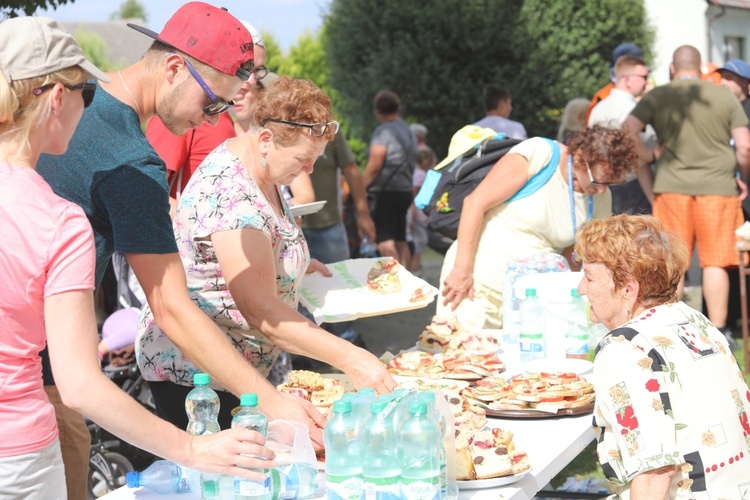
[(357, 188)]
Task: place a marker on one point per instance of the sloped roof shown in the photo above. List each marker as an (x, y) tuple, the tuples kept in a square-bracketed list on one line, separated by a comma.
[(738, 4), (124, 44)]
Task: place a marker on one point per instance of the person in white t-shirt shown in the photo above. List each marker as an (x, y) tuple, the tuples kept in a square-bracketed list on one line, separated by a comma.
[(498, 104), (493, 230), (631, 78)]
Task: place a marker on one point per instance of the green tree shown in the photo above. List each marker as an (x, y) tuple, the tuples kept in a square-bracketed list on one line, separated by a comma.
[(95, 50), (544, 51), (273, 52), (130, 9), (572, 44), (15, 8)]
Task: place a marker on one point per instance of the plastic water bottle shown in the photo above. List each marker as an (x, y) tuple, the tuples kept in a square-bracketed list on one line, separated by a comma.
[(165, 477), (202, 407), (343, 455), (577, 335), (250, 417), (293, 480), (381, 468), (428, 397), (361, 408), (367, 247), (510, 304), (531, 328), (418, 446)]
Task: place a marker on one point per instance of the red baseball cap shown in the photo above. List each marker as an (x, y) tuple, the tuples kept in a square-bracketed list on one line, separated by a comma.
[(209, 34)]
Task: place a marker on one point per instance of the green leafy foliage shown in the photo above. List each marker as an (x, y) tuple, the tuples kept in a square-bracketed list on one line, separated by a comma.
[(438, 55), (130, 9), (94, 48), (15, 8)]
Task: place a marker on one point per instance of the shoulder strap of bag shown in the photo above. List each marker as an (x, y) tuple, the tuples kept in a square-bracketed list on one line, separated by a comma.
[(395, 170), (542, 177)]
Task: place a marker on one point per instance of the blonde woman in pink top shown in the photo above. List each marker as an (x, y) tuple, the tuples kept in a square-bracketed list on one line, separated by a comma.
[(46, 290)]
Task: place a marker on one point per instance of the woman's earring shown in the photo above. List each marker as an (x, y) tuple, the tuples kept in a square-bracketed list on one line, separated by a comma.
[(263, 162)]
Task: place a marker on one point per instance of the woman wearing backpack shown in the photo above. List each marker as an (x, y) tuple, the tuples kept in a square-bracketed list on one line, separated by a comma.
[(493, 231)]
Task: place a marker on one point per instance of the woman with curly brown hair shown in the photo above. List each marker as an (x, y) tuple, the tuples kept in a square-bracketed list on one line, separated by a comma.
[(503, 220), (671, 403), (245, 256)]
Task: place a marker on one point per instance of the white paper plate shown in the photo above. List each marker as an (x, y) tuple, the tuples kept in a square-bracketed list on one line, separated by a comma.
[(494, 482), (307, 208), (577, 366)]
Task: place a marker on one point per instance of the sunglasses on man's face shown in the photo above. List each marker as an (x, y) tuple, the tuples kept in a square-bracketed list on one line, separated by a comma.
[(88, 90), (217, 104)]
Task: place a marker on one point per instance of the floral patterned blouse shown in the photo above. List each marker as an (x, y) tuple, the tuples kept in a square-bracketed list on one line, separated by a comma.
[(221, 196), (669, 392)]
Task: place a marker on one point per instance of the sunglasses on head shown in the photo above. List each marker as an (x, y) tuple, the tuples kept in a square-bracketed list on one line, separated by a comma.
[(217, 104), (87, 91), (316, 129)]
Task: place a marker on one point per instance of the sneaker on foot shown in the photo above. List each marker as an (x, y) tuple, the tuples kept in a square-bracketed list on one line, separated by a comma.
[(733, 345)]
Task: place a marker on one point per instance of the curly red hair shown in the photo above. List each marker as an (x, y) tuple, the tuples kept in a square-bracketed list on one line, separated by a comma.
[(294, 100), (636, 247), (612, 148)]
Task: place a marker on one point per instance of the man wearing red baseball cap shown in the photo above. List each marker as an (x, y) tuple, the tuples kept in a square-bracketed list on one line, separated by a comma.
[(188, 76)]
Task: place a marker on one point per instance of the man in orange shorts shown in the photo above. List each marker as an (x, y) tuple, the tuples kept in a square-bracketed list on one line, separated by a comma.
[(695, 188)]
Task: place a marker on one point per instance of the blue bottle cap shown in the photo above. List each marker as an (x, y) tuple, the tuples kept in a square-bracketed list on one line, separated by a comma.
[(201, 379), (249, 399), (531, 292), (427, 397), (342, 406), (378, 406), (574, 292), (417, 407), (132, 479), (366, 391)]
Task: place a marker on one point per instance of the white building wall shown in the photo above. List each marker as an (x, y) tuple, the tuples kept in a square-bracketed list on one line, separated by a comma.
[(687, 22)]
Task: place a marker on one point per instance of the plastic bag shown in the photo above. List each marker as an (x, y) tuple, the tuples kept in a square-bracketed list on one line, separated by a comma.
[(291, 442)]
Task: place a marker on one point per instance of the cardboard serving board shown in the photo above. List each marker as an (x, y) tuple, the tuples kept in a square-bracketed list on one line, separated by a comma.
[(345, 296)]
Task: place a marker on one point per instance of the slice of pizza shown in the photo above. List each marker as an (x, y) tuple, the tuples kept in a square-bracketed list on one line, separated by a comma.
[(464, 464), (383, 277), (519, 462), (490, 460), (310, 381)]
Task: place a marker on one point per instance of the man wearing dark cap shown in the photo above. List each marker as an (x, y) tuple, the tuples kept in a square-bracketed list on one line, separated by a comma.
[(187, 77), (624, 49), (735, 75)]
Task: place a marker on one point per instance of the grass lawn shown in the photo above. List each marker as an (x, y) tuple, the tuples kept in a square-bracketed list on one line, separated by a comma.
[(586, 464)]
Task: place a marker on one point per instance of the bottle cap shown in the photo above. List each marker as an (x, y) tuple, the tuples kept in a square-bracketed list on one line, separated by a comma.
[(132, 479), (531, 292), (249, 399), (201, 379), (417, 407), (209, 489), (366, 391), (378, 406), (427, 397), (342, 406), (574, 292)]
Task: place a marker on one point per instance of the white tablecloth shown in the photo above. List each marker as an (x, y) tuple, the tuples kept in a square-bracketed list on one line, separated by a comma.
[(551, 443)]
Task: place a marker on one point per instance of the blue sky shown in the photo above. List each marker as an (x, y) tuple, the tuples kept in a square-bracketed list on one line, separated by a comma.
[(284, 19)]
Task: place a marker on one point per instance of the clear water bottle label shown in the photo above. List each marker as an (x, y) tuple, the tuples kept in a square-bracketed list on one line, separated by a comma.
[(250, 488), (344, 487), (423, 488), (577, 344), (531, 343), (383, 488)]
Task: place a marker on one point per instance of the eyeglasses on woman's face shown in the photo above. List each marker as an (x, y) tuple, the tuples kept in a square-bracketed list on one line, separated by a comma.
[(316, 129), (217, 104), (594, 182), (88, 90)]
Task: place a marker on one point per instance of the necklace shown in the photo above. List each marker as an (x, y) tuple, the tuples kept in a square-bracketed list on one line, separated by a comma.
[(129, 93)]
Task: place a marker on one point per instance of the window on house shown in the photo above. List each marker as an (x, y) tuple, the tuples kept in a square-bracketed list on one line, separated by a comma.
[(734, 47)]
